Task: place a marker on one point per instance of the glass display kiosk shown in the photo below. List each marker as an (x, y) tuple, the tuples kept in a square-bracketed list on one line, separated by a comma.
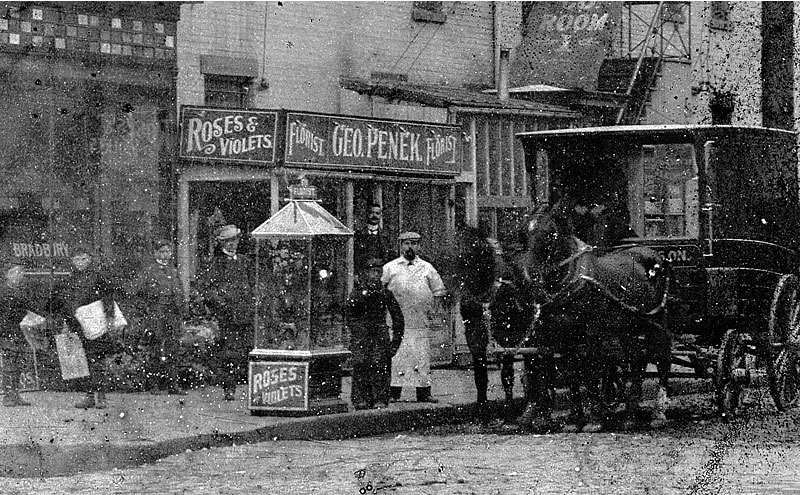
[(296, 365)]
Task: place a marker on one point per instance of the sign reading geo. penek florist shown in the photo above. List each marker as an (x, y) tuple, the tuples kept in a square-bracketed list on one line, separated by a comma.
[(338, 142), (278, 385), (228, 134)]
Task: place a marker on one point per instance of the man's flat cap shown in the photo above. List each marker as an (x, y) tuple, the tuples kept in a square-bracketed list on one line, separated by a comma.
[(406, 236)]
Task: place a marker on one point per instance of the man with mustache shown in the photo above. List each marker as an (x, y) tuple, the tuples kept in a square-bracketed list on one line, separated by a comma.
[(370, 241), (418, 289)]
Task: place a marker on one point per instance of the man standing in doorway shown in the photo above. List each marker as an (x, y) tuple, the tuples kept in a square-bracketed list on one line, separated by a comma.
[(370, 241), (227, 287), (418, 289)]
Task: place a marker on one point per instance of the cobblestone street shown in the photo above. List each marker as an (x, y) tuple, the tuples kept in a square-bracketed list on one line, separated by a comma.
[(697, 454)]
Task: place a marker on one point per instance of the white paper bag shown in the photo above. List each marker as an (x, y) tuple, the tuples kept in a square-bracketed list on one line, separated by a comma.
[(33, 327), (32, 320), (92, 318), (71, 356)]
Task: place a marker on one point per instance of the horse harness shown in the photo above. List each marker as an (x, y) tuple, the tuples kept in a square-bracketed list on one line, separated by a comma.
[(575, 280)]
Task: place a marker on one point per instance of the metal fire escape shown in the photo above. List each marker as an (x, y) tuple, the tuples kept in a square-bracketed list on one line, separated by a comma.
[(647, 35)]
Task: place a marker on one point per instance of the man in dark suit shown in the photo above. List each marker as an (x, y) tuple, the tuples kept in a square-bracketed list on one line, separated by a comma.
[(227, 286), (370, 242)]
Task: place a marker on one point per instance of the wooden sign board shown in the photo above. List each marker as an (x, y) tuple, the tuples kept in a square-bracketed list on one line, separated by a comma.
[(278, 385)]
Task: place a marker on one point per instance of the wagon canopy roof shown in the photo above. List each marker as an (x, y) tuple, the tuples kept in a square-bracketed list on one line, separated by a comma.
[(301, 219), (640, 132)]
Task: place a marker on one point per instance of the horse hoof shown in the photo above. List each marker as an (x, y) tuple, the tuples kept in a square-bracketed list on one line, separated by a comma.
[(658, 423), (592, 428), (509, 427), (527, 417), (570, 428), (540, 425)]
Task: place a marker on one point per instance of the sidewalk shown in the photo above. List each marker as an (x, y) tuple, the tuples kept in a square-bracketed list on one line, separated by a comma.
[(52, 438)]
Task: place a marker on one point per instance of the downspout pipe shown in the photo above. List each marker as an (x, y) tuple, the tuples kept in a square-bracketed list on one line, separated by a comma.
[(502, 79), (496, 40)]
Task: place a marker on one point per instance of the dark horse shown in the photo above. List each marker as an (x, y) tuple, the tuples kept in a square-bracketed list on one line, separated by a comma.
[(602, 314), (490, 310)]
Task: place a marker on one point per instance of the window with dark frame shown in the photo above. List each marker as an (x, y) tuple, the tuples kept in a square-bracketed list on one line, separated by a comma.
[(720, 16), (428, 12), (226, 91), (673, 12)]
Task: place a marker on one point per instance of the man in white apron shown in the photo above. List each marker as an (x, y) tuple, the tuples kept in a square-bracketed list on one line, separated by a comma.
[(418, 289)]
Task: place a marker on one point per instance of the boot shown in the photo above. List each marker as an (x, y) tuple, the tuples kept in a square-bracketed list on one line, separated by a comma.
[(11, 396), (230, 393), (87, 401), (481, 377), (12, 399), (100, 400), (424, 395), (481, 384)]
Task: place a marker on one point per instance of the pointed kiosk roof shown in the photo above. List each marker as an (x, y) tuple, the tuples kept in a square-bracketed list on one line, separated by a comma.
[(301, 219)]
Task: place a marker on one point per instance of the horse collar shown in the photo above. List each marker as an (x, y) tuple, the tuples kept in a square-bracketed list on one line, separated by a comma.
[(581, 248)]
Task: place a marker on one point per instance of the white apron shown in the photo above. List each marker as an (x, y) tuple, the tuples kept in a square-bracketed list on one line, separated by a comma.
[(411, 366)]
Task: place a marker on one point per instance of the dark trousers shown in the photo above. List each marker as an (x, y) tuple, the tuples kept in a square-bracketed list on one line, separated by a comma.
[(230, 354), (163, 351), (477, 339), (162, 365), (371, 379), (13, 358), (96, 352), (422, 393)]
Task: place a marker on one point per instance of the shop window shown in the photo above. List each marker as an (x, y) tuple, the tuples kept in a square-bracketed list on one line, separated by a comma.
[(722, 105), (668, 204), (428, 12), (673, 12), (226, 91), (720, 16)]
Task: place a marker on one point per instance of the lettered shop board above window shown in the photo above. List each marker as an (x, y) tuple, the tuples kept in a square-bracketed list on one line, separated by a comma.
[(217, 134), (348, 143), (320, 141)]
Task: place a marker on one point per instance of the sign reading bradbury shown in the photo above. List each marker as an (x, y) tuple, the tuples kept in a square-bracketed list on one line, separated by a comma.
[(328, 141), (228, 134)]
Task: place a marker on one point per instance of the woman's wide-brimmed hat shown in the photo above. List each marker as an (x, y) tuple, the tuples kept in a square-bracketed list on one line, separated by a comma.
[(228, 232)]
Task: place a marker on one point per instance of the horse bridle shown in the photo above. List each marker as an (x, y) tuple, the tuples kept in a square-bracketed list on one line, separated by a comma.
[(583, 249), (581, 280)]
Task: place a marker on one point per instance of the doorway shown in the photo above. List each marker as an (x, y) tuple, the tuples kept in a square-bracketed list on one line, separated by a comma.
[(213, 204)]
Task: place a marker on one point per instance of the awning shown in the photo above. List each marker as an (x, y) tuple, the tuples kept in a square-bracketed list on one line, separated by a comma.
[(459, 99), (301, 219)]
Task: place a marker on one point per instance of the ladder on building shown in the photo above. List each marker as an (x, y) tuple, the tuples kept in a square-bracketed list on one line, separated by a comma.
[(649, 34)]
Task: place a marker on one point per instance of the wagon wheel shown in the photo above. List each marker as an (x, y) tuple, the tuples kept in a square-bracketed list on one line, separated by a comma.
[(731, 373), (784, 342), (785, 386)]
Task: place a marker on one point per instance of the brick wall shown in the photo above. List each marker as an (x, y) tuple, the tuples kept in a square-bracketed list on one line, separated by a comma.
[(727, 60), (303, 47)]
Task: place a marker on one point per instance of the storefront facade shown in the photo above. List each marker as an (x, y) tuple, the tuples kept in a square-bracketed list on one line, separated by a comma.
[(241, 174), (424, 63), (88, 140), (89, 135)]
